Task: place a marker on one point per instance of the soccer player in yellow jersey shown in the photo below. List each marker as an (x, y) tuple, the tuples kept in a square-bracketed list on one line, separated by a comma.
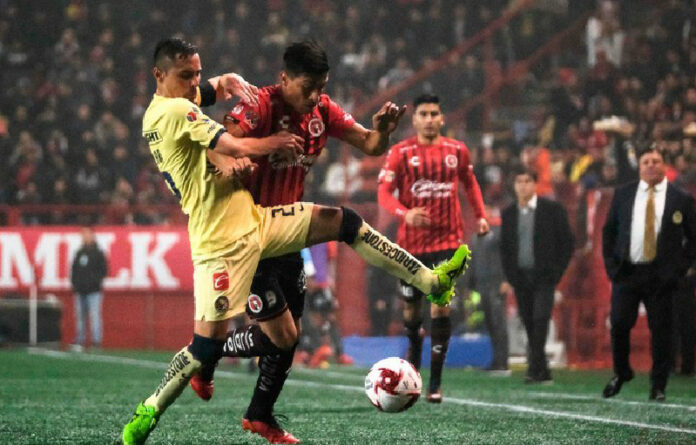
[(229, 234)]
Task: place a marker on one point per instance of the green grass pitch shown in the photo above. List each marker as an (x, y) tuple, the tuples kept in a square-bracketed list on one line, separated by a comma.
[(50, 397)]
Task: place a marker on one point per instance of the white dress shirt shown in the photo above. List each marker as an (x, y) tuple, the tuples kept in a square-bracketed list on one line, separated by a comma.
[(531, 205), (638, 218)]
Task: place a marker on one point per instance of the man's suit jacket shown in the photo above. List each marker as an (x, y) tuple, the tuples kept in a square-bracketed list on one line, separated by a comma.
[(676, 242), (553, 243)]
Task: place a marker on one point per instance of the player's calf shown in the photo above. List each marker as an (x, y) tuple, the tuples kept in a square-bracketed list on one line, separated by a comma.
[(379, 251)]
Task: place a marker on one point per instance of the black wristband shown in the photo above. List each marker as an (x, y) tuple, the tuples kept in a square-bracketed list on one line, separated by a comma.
[(208, 95)]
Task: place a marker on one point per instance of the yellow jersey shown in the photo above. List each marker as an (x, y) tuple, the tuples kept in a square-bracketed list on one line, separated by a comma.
[(220, 210)]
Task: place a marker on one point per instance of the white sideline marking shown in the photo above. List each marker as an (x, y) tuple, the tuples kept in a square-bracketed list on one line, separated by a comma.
[(293, 382), (556, 395)]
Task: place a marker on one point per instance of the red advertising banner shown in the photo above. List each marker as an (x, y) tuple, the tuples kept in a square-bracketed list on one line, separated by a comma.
[(152, 258)]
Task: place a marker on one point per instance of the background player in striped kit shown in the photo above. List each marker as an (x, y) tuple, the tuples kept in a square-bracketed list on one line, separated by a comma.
[(426, 170)]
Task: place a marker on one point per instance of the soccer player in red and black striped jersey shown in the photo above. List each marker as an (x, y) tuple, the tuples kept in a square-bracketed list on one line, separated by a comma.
[(298, 105), (427, 170)]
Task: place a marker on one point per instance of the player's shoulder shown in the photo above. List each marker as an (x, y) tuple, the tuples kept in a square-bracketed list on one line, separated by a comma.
[(408, 144), (452, 143)]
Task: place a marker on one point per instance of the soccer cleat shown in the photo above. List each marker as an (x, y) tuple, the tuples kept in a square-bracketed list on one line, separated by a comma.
[(270, 430), (434, 397), (141, 425), (203, 389), (345, 359), (447, 273)]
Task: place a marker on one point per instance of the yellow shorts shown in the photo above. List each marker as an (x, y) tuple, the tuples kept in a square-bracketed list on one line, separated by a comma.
[(221, 285)]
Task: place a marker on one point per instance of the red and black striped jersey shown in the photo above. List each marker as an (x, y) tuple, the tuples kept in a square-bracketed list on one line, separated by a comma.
[(278, 181), (429, 176)]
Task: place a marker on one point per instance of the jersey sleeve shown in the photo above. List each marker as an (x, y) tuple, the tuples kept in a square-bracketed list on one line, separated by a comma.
[(387, 181), (251, 118), (471, 185), (339, 120), (191, 123)]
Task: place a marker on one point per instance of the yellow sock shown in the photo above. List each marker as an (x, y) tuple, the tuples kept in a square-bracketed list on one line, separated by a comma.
[(181, 369), (378, 251)]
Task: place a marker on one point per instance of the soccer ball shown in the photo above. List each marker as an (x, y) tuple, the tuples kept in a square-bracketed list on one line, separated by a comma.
[(393, 385)]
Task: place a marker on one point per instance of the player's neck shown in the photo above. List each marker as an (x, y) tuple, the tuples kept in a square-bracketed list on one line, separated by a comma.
[(422, 140)]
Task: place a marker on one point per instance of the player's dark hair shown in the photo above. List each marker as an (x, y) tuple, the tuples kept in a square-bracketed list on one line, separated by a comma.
[(425, 99), (168, 50), (522, 170), (305, 57), (652, 148)]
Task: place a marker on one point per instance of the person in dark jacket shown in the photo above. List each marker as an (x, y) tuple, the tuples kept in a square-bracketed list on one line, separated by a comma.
[(88, 273), (536, 246), (648, 244), (485, 275)]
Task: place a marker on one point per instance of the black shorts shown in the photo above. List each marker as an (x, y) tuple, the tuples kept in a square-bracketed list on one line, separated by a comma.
[(431, 259), (278, 283)]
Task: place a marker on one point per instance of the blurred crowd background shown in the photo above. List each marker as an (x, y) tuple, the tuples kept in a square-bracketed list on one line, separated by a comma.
[(76, 81)]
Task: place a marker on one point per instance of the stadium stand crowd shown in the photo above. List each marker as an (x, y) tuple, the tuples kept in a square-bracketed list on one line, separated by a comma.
[(76, 81)]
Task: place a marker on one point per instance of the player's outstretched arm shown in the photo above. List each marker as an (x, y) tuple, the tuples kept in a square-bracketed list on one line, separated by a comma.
[(240, 147), (375, 142)]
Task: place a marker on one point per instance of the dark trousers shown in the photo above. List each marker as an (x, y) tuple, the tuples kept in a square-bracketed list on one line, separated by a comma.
[(494, 312), (534, 304), (642, 284), (684, 336)]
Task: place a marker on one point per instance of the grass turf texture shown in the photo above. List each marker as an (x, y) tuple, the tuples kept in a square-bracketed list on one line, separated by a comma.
[(55, 397)]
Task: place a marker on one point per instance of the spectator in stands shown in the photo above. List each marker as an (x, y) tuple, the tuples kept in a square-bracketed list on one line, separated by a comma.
[(536, 246), (88, 272), (604, 34)]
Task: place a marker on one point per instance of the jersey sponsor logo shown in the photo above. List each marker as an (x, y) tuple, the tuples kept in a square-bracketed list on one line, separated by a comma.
[(280, 161), (316, 127), (238, 108), (347, 117), (425, 188), (251, 118), (152, 137), (221, 281), (451, 161), (414, 161), (391, 251), (222, 304), (239, 342), (284, 122), (437, 349), (191, 116), (255, 303)]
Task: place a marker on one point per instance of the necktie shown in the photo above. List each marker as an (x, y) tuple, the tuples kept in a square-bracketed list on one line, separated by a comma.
[(649, 237)]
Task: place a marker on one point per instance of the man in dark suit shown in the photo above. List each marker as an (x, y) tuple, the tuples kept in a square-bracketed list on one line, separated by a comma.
[(649, 243), (536, 246)]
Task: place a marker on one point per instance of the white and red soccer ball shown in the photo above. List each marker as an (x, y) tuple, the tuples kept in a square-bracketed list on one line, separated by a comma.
[(393, 385)]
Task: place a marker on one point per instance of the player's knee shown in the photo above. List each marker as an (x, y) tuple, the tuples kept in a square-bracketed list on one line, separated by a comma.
[(206, 350), (350, 225), (285, 339)]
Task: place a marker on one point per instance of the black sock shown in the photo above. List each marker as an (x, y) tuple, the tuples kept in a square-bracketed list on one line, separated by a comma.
[(208, 351), (441, 329), (415, 342), (336, 341), (273, 371), (248, 341)]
